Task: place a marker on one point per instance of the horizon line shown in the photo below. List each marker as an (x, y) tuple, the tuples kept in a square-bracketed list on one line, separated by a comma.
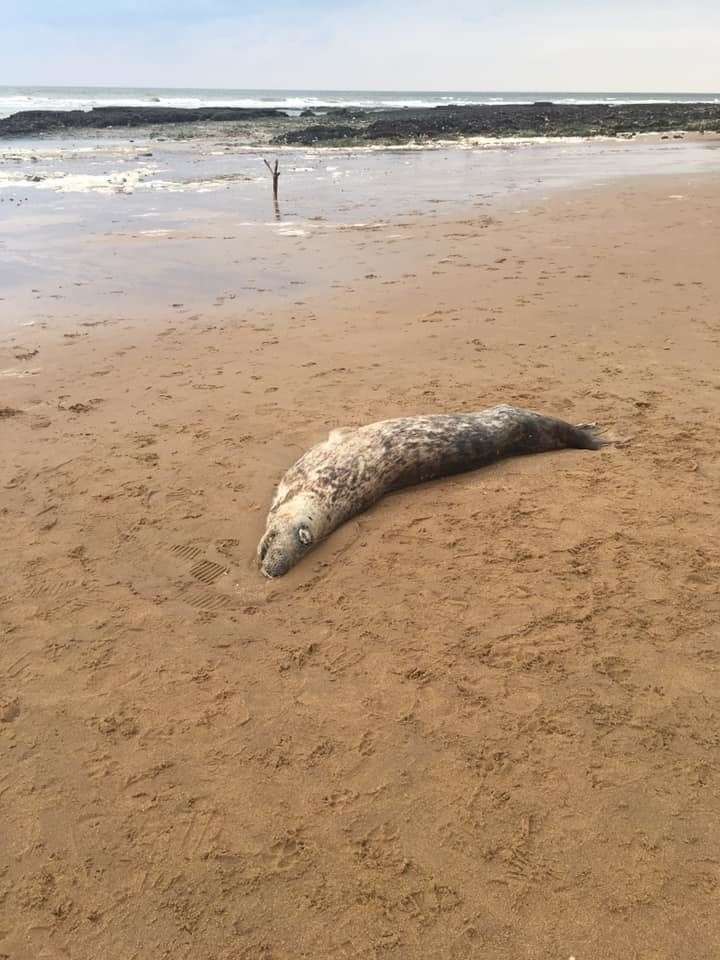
[(135, 86)]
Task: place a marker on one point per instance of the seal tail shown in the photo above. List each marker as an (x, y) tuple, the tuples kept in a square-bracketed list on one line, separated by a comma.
[(585, 436), (540, 433)]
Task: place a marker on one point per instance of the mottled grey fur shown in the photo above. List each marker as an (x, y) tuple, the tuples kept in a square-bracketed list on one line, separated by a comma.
[(354, 467)]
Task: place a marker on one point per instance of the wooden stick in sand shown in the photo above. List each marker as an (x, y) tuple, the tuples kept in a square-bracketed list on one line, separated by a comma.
[(275, 173)]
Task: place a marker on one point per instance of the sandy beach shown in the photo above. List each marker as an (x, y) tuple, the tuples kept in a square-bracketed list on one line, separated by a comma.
[(481, 720)]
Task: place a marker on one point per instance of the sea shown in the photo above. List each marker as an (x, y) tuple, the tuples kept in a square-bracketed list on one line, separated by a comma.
[(15, 99)]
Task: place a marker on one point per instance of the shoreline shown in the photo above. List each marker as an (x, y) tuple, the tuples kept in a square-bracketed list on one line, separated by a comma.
[(354, 126)]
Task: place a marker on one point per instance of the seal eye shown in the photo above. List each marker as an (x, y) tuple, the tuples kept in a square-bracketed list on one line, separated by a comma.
[(304, 536)]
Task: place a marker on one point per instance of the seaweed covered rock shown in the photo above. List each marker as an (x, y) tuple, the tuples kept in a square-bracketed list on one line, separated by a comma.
[(45, 121)]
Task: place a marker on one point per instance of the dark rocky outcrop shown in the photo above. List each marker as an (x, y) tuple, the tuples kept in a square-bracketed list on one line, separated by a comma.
[(45, 121), (318, 134), (348, 125), (537, 119)]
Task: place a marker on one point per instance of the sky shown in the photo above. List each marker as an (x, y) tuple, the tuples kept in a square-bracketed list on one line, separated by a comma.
[(474, 45)]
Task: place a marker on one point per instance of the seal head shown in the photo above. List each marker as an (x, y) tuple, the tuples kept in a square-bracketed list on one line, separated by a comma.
[(288, 538)]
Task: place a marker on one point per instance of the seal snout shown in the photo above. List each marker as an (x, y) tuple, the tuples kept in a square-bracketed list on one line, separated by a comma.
[(276, 561), (277, 568)]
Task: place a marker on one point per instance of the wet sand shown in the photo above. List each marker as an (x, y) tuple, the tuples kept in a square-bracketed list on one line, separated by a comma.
[(482, 719), (103, 227)]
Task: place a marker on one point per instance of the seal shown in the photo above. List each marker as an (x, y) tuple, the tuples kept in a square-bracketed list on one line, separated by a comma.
[(355, 467)]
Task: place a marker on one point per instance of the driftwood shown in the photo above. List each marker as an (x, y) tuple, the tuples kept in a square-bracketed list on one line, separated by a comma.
[(275, 173)]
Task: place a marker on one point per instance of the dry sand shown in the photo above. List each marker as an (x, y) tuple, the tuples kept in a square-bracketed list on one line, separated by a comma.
[(480, 721)]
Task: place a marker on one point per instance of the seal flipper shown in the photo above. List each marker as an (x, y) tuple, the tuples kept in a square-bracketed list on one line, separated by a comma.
[(587, 436)]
